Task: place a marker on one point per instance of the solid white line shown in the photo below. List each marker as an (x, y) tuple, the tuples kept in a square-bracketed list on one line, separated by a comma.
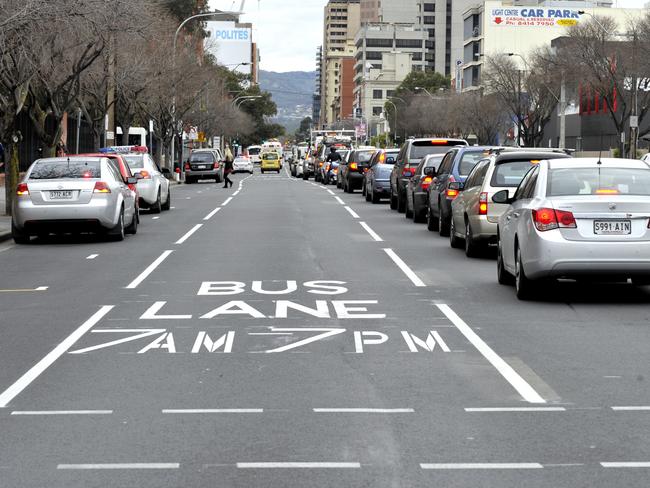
[(120, 466), (62, 412), (189, 234), (625, 465), (150, 269), (293, 465), (510, 375), (338, 199), (372, 233), (24, 381), (352, 212), (227, 201), (212, 214), (92, 256), (155, 218), (641, 408), (517, 409), (481, 466), (214, 410), (236, 193), (364, 410), (404, 267), (41, 288)]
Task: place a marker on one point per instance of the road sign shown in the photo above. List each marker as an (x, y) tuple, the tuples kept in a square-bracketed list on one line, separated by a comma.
[(358, 113), (459, 62), (634, 121)]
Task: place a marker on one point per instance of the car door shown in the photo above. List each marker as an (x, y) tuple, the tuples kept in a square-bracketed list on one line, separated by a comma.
[(462, 205), (397, 168), (128, 195), (163, 183), (439, 181), (414, 182)]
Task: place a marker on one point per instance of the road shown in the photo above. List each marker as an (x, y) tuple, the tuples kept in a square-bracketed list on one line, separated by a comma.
[(282, 334)]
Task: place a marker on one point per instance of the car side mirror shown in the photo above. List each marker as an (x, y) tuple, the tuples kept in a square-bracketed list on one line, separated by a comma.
[(138, 176), (430, 171), (457, 185), (132, 180), (503, 197)]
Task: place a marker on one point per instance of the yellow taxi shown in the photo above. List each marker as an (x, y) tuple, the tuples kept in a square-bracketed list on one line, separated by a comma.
[(271, 162)]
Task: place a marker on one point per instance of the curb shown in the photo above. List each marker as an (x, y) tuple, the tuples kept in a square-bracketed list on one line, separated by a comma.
[(5, 236)]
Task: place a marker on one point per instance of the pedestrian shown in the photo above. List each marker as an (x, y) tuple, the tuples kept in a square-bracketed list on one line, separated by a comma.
[(228, 169), (61, 150)]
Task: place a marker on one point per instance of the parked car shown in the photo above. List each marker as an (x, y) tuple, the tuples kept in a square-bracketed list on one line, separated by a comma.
[(351, 173), (377, 178), (300, 168), (153, 186), (74, 194), (242, 164), (576, 218), (204, 164), (410, 155), (474, 216), (455, 167), (124, 170), (417, 189), (308, 165)]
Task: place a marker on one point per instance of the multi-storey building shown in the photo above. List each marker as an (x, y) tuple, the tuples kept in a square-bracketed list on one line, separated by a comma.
[(316, 99)]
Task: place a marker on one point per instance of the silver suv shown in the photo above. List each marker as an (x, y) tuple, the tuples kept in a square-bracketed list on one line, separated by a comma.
[(204, 164)]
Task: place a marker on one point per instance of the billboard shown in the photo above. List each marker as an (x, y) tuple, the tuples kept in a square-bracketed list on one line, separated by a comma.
[(534, 17), (231, 44)]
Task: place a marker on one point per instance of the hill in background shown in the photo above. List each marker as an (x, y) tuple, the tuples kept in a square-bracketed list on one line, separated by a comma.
[(292, 92)]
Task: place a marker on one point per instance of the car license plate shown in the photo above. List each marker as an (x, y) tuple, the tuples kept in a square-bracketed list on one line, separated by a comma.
[(61, 195), (203, 167), (612, 227)]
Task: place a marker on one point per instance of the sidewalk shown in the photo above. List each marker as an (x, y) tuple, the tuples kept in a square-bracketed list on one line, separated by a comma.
[(5, 220)]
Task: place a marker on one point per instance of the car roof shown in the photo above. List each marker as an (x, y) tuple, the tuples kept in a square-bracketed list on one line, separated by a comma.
[(76, 157), (531, 154), (591, 162)]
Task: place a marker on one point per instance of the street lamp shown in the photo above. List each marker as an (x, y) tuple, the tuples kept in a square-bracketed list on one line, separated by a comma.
[(239, 100)]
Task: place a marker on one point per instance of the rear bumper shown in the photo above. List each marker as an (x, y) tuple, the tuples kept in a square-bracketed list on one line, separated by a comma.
[(147, 192), (208, 174), (97, 214), (482, 229)]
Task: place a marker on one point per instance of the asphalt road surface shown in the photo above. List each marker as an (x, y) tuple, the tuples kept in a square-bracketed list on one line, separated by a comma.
[(284, 334)]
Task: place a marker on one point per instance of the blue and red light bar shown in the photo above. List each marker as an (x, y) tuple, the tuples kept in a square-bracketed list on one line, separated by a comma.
[(124, 149)]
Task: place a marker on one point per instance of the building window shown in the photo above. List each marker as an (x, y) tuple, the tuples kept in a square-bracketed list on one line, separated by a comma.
[(429, 7), (379, 43), (417, 56), (408, 43), (374, 55), (376, 111), (429, 20), (377, 94), (390, 93)]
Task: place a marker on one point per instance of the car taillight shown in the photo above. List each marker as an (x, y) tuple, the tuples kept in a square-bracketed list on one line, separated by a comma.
[(451, 193), (22, 189), (549, 219), (483, 204), (216, 165), (354, 166), (145, 175), (426, 182), (408, 171), (101, 187)]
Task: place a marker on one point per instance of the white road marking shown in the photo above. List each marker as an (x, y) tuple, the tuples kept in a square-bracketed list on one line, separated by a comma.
[(352, 212), (294, 465), (404, 267), (155, 218), (62, 412), (640, 408), (510, 375), (331, 192), (150, 269), (92, 256), (364, 410), (188, 198), (338, 199), (372, 233), (228, 200), (212, 214), (189, 234), (236, 193), (213, 410), (41, 288), (172, 208), (481, 466), (517, 409), (120, 466), (626, 465), (35, 371)]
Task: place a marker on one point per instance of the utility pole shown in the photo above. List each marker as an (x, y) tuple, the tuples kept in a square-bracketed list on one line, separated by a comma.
[(634, 118), (110, 94), (519, 107), (563, 112)]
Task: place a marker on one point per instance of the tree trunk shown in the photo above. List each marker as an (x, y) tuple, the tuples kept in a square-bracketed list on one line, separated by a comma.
[(12, 173)]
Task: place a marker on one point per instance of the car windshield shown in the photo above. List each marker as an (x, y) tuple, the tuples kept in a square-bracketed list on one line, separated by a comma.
[(205, 157), (420, 149), (433, 161), (468, 160), (270, 157), (364, 156), (598, 181), (510, 173), (134, 161), (54, 170)]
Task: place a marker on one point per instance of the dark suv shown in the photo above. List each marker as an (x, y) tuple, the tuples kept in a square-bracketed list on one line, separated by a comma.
[(408, 159), (204, 164)]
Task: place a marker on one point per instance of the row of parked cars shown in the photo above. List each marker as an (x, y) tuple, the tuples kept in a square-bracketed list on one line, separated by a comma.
[(547, 215), (101, 192)]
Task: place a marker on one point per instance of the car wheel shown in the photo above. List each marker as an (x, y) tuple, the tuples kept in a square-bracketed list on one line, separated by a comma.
[(393, 200), (454, 240), (374, 198), (157, 207), (305, 177), (363, 190), (117, 233), (417, 215), (407, 210), (523, 285), (262, 171), (472, 247), (432, 222), (168, 201), (133, 226), (401, 202), (188, 180), (368, 195), (18, 235), (503, 277), (443, 225)]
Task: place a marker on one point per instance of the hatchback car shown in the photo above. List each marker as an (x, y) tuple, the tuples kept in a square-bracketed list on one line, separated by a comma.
[(351, 173), (204, 164), (70, 194), (242, 164), (417, 190), (153, 186), (576, 218), (271, 162), (410, 155), (377, 178), (474, 216)]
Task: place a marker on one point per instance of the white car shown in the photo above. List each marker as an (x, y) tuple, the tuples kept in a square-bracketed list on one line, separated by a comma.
[(242, 164), (576, 218), (153, 186), (299, 168)]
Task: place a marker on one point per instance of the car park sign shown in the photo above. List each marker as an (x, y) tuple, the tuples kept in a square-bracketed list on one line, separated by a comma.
[(534, 17)]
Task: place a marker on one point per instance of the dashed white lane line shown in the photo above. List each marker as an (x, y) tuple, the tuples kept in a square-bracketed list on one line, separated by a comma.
[(212, 214), (150, 269), (41, 288), (481, 466), (120, 466), (372, 233), (640, 408), (294, 465), (61, 412), (189, 234), (92, 256), (351, 212), (212, 410), (338, 199), (626, 465), (410, 274), (364, 410), (155, 218), (517, 409), (331, 192), (527, 392), (35, 371), (228, 200)]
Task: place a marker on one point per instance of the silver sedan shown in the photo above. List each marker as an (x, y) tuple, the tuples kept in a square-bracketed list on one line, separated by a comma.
[(74, 194), (576, 218)]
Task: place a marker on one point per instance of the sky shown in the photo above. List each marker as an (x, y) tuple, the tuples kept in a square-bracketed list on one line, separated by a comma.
[(289, 31)]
